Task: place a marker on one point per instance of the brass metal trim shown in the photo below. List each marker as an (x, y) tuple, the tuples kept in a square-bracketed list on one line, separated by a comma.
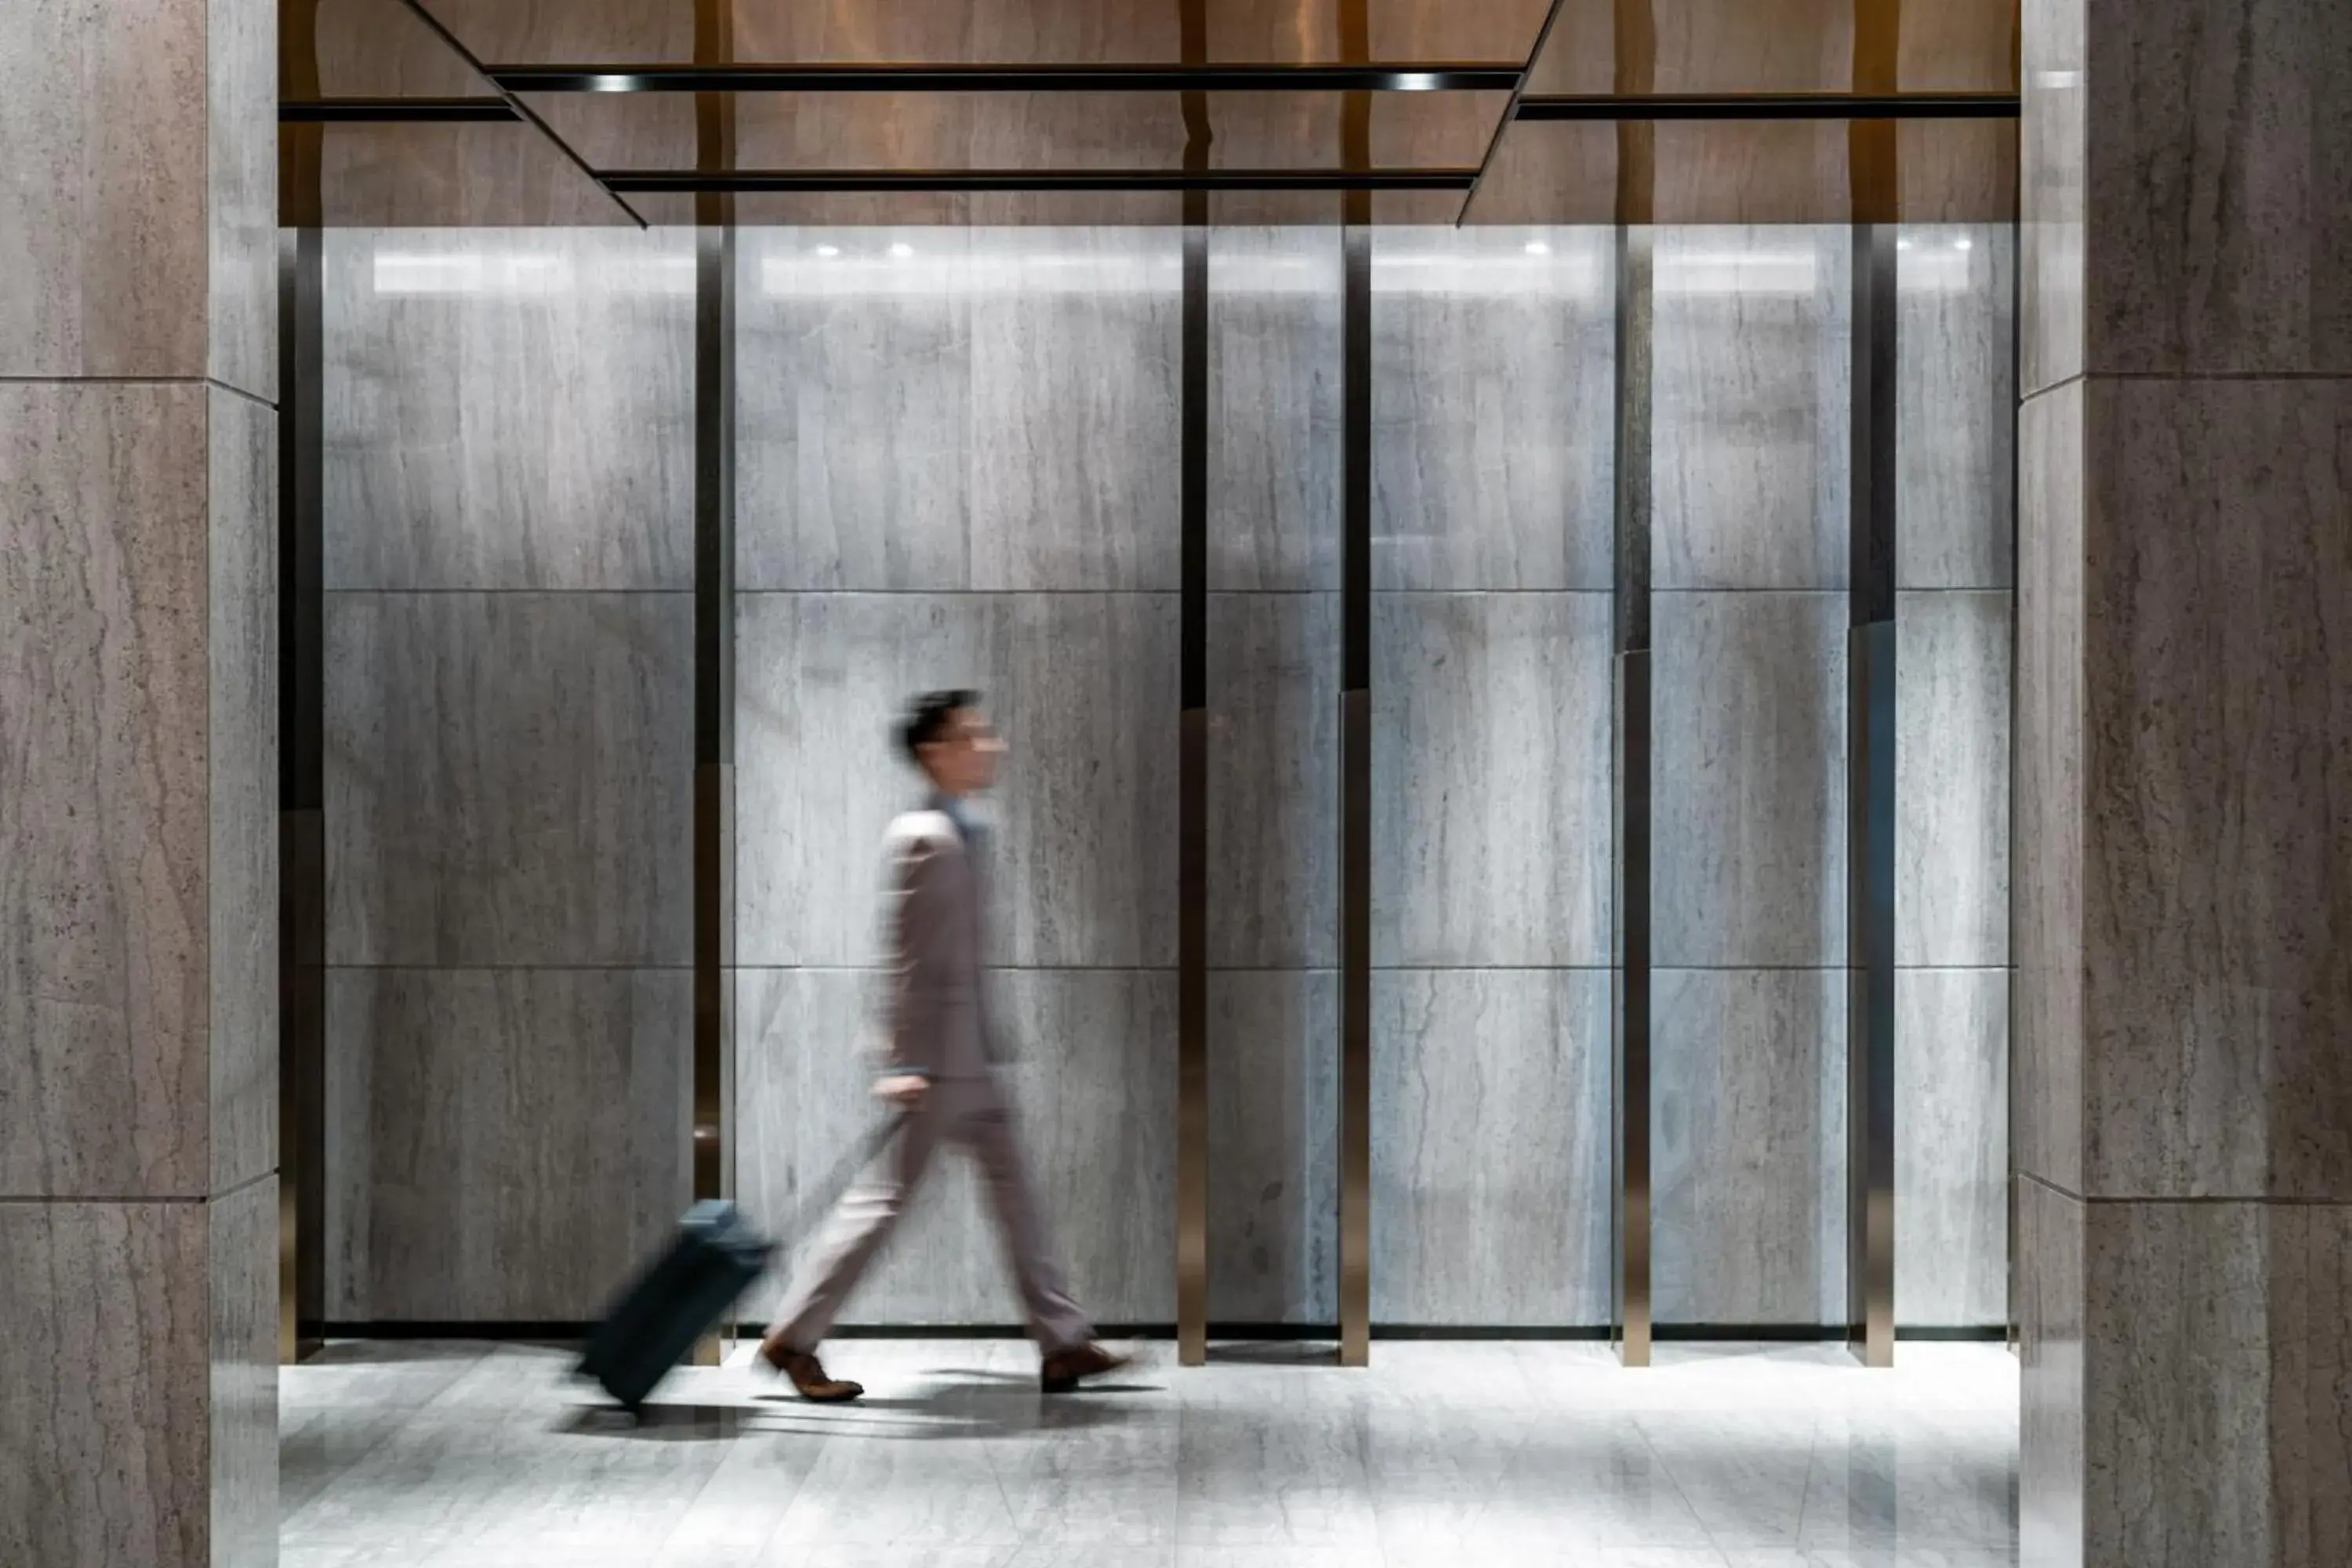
[(1629, 966), (302, 796), (1192, 809), (711, 1143), (1356, 801), (1871, 655)]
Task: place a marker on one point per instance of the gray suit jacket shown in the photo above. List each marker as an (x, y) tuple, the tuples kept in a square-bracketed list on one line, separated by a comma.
[(935, 1013)]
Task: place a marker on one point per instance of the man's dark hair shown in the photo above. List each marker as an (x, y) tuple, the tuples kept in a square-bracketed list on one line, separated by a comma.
[(927, 717)]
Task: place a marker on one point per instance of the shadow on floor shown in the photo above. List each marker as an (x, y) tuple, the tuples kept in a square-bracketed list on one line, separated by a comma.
[(974, 1404), (1275, 1353)]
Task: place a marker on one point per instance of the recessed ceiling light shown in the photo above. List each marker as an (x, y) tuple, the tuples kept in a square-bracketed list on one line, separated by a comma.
[(1538, 247), (902, 250), (615, 84), (828, 250), (1416, 82)]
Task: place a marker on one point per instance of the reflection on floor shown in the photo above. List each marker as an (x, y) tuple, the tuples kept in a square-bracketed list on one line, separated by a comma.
[(1449, 1456)]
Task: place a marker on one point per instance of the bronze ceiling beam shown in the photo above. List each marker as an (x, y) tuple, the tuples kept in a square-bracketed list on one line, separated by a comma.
[(396, 111), (688, 180), (1769, 106), (1431, 76)]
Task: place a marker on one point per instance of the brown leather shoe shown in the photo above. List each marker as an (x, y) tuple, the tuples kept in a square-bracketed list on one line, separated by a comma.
[(1063, 1369), (807, 1374)]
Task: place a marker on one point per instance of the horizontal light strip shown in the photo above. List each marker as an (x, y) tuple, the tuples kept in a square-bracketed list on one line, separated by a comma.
[(863, 77)]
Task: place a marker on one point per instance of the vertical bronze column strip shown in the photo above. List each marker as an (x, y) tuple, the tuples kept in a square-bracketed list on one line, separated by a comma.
[(713, 1173), (1356, 710), (1192, 764), (302, 799), (302, 713), (2008, 849), (1356, 801), (1636, 47), (1630, 965), (1870, 808), (1873, 147)]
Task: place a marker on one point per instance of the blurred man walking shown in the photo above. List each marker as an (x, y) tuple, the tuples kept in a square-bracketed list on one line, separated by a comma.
[(939, 1069)]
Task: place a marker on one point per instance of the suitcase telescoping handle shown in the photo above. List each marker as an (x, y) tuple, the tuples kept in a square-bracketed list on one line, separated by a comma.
[(845, 1171)]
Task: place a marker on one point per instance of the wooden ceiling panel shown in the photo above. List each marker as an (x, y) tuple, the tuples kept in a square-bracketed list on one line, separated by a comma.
[(454, 176), (995, 32), (1552, 173), (1773, 47), (1728, 172), (373, 48), (587, 32)]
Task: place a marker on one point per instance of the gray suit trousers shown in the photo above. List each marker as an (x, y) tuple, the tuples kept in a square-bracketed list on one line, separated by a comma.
[(974, 1113)]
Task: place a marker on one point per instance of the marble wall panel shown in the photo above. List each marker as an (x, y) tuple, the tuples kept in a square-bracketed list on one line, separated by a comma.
[(508, 778), (1082, 685), (1093, 1076), (1490, 1147), (1749, 779), (1493, 407), (2221, 1390), (820, 681), (1956, 406), (242, 881), (1077, 438), (1086, 687), (1276, 401), (938, 409), (104, 232), (1094, 1073), (1274, 779), (1952, 778), (241, 1257), (107, 1361), (1951, 1147), (2054, 170), (2219, 190), (1751, 375), (2218, 789), (1490, 779), (502, 1143), (104, 675), (509, 408), (1274, 1154), (854, 409), (1747, 1123), (241, 193), (2049, 804)]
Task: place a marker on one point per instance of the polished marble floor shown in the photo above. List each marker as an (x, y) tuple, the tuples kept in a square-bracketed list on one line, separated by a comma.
[(1440, 1455)]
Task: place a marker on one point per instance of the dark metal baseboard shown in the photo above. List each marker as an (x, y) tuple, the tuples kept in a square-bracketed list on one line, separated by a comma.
[(529, 1330)]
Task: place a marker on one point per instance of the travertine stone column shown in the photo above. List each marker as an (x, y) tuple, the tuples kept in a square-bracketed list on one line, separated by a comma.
[(2184, 802), (138, 761)]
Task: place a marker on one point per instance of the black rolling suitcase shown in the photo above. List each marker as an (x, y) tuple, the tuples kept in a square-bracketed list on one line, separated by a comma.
[(715, 1259), (690, 1287)]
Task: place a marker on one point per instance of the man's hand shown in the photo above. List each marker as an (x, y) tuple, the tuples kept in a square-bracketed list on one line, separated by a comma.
[(905, 1090)]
